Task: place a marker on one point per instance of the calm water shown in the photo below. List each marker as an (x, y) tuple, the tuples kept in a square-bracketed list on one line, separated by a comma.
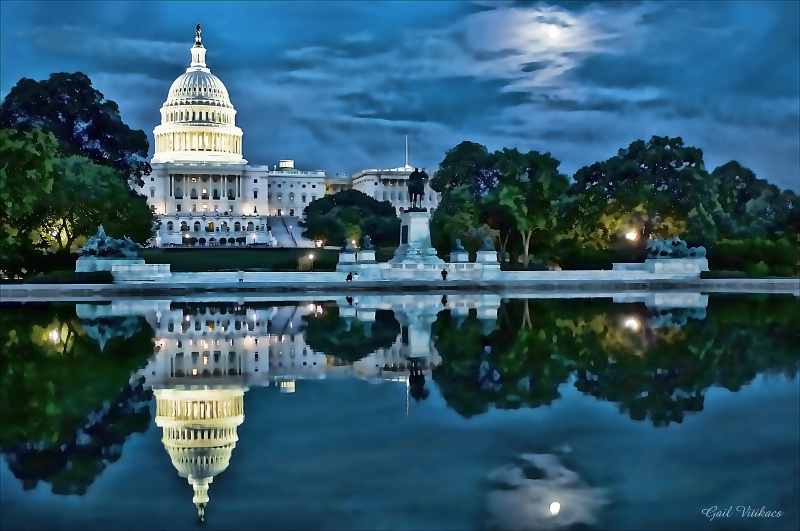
[(412, 412)]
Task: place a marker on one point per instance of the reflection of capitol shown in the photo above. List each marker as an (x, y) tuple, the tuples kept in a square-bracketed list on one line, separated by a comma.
[(207, 356), (199, 428)]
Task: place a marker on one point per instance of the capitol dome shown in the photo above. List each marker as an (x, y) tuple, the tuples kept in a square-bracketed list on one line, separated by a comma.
[(198, 120), (198, 86)]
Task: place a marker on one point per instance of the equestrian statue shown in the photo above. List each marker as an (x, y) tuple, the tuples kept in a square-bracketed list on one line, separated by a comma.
[(416, 188)]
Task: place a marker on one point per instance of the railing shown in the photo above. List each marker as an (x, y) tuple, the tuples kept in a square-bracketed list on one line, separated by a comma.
[(289, 231)]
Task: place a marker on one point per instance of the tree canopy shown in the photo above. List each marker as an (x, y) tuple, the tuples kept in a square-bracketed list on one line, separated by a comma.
[(351, 215), (83, 121)]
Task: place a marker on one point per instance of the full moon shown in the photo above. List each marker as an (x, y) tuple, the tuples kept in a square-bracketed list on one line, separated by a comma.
[(553, 31)]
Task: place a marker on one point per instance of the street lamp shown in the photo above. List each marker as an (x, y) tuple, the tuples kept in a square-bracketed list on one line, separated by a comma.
[(633, 324), (632, 235), (311, 258)]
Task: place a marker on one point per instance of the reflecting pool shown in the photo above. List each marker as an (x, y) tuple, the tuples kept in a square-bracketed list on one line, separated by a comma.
[(645, 411)]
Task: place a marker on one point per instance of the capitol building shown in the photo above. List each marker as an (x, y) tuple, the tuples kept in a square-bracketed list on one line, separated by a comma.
[(204, 191)]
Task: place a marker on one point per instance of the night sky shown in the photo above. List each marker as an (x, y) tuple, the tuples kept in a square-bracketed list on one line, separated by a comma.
[(337, 85)]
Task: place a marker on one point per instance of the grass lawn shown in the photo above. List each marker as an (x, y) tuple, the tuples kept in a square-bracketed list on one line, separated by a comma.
[(193, 259)]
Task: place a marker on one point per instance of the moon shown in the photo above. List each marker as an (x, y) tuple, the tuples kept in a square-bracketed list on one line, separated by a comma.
[(553, 31)]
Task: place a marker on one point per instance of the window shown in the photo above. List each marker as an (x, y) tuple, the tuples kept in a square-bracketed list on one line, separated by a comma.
[(194, 179), (152, 179), (280, 197), (269, 185), (303, 197), (177, 208), (291, 186), (194, 208), (255, 181), (313, 186), (152, 192), (279, 185), (269, 197), (170, 226), (230, 208), (313, 198), (304, 186), (255, 194)]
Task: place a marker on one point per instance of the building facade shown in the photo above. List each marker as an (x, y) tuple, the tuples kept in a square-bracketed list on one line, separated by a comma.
[(203, 190)]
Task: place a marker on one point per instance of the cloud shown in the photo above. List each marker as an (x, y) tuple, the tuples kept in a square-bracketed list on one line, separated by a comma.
[(338, 85)]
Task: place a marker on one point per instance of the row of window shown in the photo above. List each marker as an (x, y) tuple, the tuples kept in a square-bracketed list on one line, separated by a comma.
[(207, 116), (279, 184)]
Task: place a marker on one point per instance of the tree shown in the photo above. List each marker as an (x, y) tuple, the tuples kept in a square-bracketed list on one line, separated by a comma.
[(27, 174), (530, 188), (456, 217), (351, 214), (749, 206), (83, 121), (464, 164), (661, 184), (85, 196)]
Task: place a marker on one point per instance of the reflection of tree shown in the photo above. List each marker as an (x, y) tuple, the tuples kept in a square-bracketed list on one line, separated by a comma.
[(61, 402), (511, 367), (330, 334), (74, 465), (614, 354)]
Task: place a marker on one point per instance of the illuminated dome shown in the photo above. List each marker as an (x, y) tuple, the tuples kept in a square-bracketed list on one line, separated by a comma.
[(199, 433), (198, 121), (198, 86)]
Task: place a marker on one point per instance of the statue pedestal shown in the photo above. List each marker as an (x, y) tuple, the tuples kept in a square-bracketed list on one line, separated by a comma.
[(686, 266), (487, 257), (90, 264), (415, 251), (459, 257), (347, 261), (366, 256)]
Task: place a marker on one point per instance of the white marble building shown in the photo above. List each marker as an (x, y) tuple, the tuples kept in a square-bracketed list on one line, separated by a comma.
[(385, 185), (202, 187)]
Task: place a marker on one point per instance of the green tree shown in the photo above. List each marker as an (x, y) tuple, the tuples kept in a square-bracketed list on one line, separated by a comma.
[(661, 185), (457, 217), (351, 214), (464, 164), (87, 195), (83, 121), (530, 189), (27, 174)]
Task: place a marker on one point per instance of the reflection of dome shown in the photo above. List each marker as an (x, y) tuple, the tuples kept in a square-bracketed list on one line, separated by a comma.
[(198, 120), (199, 427)]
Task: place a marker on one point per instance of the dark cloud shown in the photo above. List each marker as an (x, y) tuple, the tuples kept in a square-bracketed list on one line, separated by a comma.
[(534, 66), (443, 101), (337, 85)]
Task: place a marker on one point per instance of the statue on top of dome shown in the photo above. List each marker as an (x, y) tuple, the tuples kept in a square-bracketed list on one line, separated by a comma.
[(197, 33)]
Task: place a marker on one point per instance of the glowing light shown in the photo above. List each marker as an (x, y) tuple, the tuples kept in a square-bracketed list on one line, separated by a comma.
[(353, 242), (632, 235), (311, 257), (54, 336), (633, 324), (555, 507), (194, 372), (312, 307), (54, 233), (553, 31)]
